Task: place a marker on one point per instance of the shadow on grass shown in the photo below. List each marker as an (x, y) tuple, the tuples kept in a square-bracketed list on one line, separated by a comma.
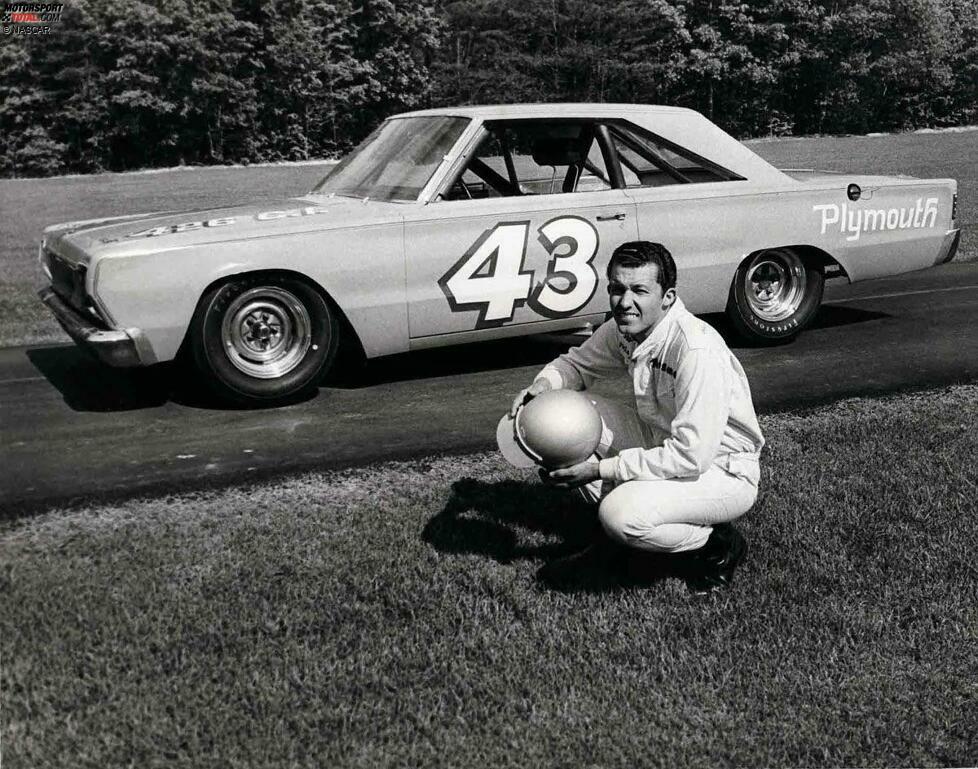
[(506, 520)]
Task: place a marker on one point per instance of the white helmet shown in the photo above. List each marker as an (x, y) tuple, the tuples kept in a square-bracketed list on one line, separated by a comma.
[(556, 429)]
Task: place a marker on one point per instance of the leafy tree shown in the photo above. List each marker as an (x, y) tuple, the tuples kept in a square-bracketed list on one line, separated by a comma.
[(213, 80), (485, 57), (129, 83), (874, 65), (396, 43), (563, 50), (36, 100), (962, 41), (736, 60), (308, 76), (76, 83), (178, 83), (136, 52), (18, 100)]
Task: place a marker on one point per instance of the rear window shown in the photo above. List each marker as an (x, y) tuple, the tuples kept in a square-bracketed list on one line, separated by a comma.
[(651, 161)]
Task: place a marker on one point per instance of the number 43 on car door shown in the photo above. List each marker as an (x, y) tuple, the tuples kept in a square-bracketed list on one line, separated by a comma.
[(491, 276), (480, 273)]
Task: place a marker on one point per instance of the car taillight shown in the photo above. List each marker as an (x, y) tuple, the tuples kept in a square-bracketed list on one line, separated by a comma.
[(954, 207)]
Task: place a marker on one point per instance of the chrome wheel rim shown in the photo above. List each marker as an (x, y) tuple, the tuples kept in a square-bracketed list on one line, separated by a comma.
[(775, 285), (266, 332)]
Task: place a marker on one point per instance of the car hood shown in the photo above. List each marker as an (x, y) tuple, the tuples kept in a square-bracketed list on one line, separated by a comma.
[(79, 242)]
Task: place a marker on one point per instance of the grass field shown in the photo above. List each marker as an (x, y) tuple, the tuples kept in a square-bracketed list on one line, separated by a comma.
[(29, 204), (388, 616)]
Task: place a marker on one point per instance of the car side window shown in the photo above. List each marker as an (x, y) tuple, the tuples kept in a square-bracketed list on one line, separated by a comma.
[(486, 174), (594, 174), (533, 158), (648, 161)]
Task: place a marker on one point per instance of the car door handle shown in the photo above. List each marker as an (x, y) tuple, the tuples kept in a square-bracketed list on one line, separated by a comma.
[(619, 216)]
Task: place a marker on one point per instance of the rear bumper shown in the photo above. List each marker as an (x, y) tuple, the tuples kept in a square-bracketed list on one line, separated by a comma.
[(949, 247), (122, 349)]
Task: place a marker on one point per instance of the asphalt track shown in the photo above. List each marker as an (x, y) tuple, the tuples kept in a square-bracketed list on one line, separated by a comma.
[(73, 430)]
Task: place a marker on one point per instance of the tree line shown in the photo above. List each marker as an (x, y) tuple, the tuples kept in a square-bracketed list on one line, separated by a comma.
[(118, 84)]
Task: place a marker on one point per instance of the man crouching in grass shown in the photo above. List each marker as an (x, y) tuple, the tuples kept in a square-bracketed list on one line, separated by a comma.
[(683, 463)]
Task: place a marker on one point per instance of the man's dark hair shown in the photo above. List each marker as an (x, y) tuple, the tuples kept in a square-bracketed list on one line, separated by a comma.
[(640, 252)]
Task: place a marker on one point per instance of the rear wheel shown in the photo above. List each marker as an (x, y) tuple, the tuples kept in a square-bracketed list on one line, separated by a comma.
[(264, 338), (774, 295)]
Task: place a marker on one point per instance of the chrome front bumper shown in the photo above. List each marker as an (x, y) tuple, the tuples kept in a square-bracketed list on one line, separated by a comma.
[(122, 349)]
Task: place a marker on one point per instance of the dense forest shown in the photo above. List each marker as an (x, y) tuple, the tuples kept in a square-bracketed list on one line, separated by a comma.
[(119, 84)]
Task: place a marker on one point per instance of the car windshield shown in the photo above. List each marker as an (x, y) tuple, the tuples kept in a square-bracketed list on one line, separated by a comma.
[(396, 161)]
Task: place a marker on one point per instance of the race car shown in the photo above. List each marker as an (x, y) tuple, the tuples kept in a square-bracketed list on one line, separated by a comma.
[(452, 226)]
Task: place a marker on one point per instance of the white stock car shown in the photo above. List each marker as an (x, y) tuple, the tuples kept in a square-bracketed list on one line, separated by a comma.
[(457, 225)]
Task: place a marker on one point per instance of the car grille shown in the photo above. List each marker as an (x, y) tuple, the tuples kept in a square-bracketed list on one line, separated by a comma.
[(68, 282)]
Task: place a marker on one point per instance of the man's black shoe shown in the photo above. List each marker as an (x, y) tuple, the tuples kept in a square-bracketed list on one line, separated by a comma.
[(711, 568)]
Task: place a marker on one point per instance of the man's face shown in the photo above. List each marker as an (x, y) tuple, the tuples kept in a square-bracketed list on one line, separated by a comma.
[(637, 300)]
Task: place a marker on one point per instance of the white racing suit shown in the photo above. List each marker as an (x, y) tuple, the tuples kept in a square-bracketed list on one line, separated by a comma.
[(686, 456)]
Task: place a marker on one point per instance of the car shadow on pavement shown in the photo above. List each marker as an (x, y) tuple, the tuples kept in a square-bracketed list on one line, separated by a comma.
[(447, 361), (828, 316), (89, 385), (536, 350), (831, 315)]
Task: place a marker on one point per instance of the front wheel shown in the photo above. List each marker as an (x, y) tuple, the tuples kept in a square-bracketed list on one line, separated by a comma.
[(774, 295), (263, 339)]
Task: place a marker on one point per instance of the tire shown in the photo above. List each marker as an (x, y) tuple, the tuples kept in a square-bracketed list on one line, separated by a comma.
[(261, 339), (774, 295)]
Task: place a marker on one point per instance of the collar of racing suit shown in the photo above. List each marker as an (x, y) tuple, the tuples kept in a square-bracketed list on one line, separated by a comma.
[(660, 333)]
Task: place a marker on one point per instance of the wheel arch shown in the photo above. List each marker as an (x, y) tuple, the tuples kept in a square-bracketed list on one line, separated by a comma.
[(830, 266), (350, 343), (753, 323)]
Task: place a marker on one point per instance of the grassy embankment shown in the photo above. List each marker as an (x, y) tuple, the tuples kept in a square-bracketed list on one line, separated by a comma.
[(30, 204), (389, 616)]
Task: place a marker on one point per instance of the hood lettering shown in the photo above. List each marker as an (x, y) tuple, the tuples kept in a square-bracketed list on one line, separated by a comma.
[(225, 221)]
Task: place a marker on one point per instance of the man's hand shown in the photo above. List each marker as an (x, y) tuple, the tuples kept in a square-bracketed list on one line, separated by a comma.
[(573, 476), (538, 387)]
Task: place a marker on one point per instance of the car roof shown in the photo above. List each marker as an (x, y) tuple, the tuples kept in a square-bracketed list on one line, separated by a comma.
[(684, 127), (549, 110)]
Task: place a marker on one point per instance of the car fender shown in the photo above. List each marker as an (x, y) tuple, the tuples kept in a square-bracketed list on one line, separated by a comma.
[(361, 269), (711, 229)]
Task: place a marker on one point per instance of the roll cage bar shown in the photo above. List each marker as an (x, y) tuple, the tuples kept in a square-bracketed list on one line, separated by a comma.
[(602, 130)]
